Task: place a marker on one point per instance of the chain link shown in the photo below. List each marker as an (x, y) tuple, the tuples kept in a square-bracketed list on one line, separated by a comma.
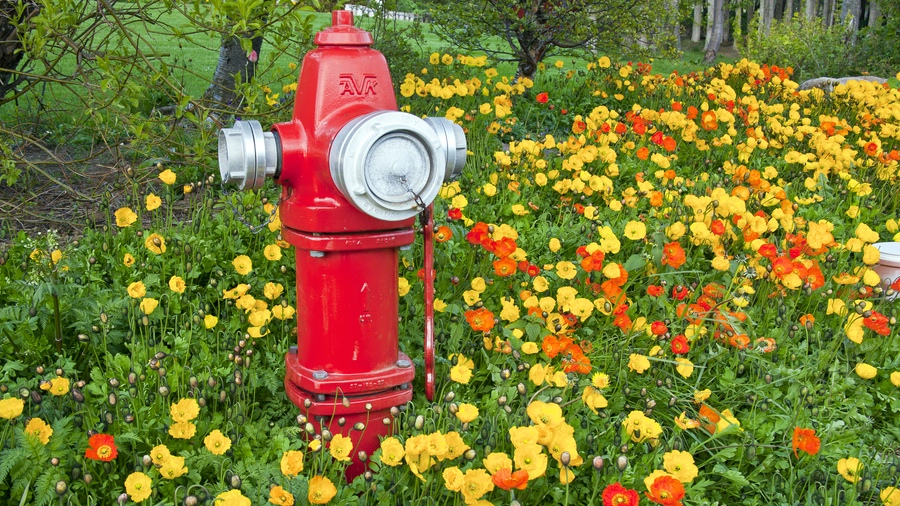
[(254, 229), (420, 204)]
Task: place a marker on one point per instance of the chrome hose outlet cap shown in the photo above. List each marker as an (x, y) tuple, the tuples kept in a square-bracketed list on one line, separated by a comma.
[(453, 138), (247, 155)]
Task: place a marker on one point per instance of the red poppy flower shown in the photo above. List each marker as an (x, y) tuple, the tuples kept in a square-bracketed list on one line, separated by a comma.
[(768, 250), (679, 292), (805, 440), (617, 495), (506, 479), (657, 138), (542, 98), (481, 319), (717, 227), (666, 490), (101, 447), (455, 213), (478, 233), (878, 323), (658, 328), (871, 149), (680, 345)]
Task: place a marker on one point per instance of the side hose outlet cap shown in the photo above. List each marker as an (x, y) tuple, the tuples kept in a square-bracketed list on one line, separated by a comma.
[(247, 155), (453, 138)]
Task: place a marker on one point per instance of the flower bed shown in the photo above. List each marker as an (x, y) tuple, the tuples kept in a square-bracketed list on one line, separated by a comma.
[(650, 289)]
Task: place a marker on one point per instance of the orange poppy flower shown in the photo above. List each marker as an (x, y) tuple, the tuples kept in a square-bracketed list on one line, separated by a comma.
[(709, 418), (506, 479), (673, 255), (643, 153), (680, 345), (708, 121), (669, 144), (505, 267), (505, 247), (550, 346), (666, 490), (594, 262), (443, 234), (481, 319), (805, 440), (782, 266)]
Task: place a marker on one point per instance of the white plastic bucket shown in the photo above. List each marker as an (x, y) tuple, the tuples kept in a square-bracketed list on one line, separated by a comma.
[(888, 266)]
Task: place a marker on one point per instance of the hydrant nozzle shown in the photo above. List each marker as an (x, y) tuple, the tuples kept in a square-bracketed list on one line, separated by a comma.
[(247, 155)]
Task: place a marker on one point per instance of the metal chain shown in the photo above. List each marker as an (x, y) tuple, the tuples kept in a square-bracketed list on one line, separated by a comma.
[(254, 229), (420, 204)]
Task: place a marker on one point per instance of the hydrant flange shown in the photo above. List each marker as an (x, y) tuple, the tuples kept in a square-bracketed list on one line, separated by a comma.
[(247, 155)]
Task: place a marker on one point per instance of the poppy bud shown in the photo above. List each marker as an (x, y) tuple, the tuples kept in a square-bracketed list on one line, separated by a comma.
[(621, 463), (598, 463)]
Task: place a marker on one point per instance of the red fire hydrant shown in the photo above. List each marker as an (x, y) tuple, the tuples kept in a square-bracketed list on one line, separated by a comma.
[(354, 174)]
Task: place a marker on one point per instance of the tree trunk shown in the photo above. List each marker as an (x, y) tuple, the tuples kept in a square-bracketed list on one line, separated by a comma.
[(718, 29), (235, 66), (874, 15), (828, 13), (810, 9), (788, 10), (770, 14), (850, 11), (738, 31), (675, 23), (709, 23), (761, 29), (697, 26), (10, 47), (726, 26)]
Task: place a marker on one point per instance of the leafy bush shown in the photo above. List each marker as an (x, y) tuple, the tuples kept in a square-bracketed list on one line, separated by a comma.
[(812, 50)]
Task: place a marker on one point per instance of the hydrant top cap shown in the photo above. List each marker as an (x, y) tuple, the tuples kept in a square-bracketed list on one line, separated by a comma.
[(342, 32)]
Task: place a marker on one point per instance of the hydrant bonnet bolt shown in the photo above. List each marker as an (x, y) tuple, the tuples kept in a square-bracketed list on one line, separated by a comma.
[(247, 155)]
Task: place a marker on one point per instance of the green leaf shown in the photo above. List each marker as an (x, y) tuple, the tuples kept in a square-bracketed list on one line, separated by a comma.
[(634, 263), (732, 475)]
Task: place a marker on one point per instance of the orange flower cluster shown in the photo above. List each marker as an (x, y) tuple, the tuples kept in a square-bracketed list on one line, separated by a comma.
[(572, 353)]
